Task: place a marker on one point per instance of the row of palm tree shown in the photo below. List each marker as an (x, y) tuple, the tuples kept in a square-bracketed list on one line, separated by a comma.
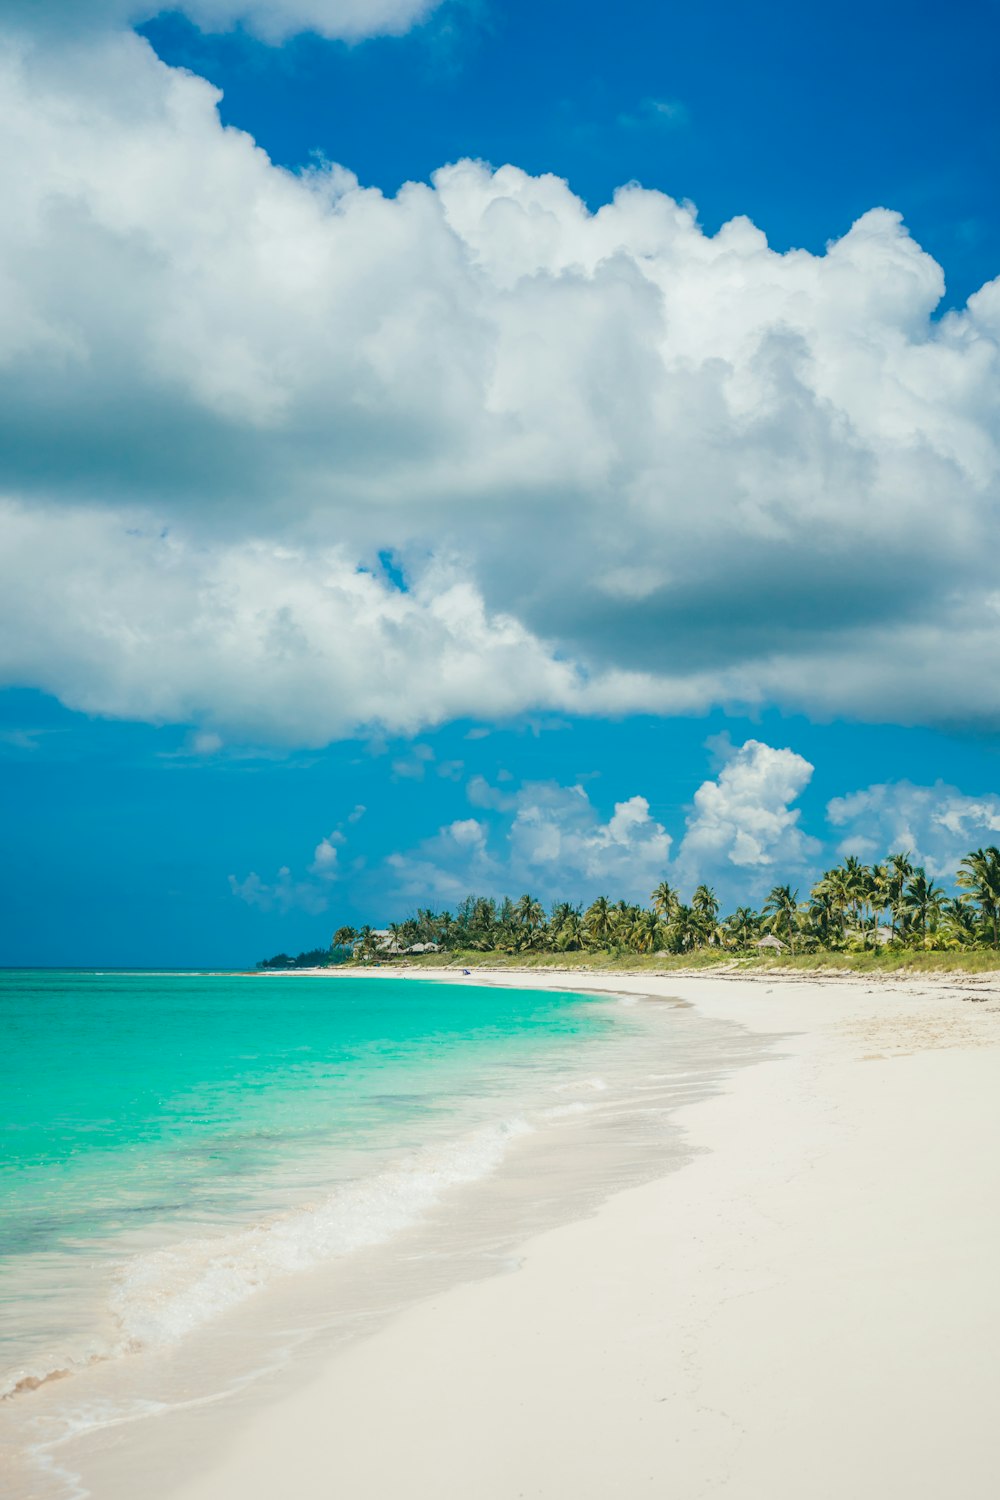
[(852, 905)]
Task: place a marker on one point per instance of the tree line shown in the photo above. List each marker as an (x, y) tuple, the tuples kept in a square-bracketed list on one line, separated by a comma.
[(313, 958), (852, 906)]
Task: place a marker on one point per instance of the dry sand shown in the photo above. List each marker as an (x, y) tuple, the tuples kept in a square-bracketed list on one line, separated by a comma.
[(808, 1309)]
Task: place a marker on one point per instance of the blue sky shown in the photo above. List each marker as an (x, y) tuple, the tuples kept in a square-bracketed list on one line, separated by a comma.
[(800, 117), (363, 550)]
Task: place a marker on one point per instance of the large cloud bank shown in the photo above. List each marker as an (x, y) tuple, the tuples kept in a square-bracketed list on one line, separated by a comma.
[(623, 464)]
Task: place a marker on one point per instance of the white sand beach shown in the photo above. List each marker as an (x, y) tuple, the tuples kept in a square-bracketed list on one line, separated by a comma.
[(809, 1307)]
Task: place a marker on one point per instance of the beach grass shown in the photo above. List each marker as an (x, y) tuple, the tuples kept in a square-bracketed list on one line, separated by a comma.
[(894, 961)]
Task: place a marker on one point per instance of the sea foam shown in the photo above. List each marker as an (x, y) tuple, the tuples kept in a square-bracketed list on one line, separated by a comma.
[(162, 1295)]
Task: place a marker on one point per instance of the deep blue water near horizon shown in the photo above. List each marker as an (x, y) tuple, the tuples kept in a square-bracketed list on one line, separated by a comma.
[(173, 1138)]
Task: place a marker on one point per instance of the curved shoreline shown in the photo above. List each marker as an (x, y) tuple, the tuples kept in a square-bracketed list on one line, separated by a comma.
[(805, 1307)]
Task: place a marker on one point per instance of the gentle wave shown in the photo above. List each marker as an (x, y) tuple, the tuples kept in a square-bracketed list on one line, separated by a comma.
[(165, 1294)]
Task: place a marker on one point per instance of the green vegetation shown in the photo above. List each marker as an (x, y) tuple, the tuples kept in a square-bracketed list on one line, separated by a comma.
[(855, 961), (315, 958), (874, 918)]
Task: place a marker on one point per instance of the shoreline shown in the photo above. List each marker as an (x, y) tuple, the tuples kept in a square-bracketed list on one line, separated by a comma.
[(804, 1307), (733, 973)]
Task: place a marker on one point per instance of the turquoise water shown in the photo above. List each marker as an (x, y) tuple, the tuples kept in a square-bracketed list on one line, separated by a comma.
[(171, 1141)]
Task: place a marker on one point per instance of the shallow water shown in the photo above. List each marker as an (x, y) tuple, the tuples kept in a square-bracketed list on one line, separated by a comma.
[(151, 1117), (212, 1176)]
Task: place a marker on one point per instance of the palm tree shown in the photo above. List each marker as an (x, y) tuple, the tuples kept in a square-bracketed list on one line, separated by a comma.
[(685, 929), (782, 907), (622, 920), (826, 916), (570, 935), (445, 933), (743, 926), (923, 901), (705, 905), (598, 920), (647, 932), (481, 921), (961, 923), (856, 882), (705, 902), (428, 924), (529, 912), (367, 946), (832, 895), (899, 870), (505, 914), (849, 898), (529, 923), (979, 877), (664, 900), (878, 896)]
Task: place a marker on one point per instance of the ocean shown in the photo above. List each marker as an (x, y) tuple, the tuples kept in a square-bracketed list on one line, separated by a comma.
[(181, 1150)]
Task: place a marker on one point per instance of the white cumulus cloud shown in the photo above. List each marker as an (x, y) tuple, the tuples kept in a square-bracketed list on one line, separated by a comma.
[(624, 464), (937, 825), (271, 643), (745, 819), (742, 835), (326, 857), (556, 832), (553, 843), (454, 863)]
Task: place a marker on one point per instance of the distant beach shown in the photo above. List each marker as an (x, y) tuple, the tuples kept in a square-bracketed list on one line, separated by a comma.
[(769, 1274)]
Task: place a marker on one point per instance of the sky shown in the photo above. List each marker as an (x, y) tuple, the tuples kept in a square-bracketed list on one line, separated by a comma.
[(487, 447)]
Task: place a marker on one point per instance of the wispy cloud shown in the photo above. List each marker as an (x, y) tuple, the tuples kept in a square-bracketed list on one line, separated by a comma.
[(413, 765), (656, 114), (286, 892), (283, 894), (24, 739)]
